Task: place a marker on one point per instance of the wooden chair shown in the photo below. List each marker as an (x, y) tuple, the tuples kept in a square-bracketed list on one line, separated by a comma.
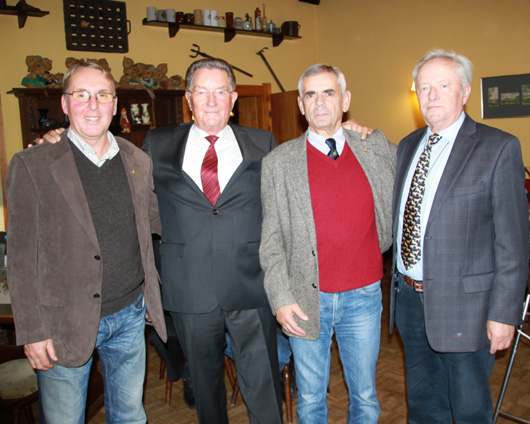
[(18, 383), (230, 368)]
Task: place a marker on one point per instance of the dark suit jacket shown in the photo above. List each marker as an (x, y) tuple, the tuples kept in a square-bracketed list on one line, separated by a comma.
[(55, 272), (209, 254), (476, 240)]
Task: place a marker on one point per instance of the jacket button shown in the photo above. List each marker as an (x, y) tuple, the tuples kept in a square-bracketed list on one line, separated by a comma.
[(314, 285), (215, 212), (96, 295), (97, 257)]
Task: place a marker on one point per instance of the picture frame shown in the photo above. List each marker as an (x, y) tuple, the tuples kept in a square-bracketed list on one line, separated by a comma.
[(505, 96)]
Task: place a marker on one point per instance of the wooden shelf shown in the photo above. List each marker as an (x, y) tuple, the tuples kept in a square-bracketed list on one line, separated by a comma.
[(229, 33), (22, 13)]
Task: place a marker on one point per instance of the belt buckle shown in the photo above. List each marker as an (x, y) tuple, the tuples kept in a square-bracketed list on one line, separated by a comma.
[(418, 287)]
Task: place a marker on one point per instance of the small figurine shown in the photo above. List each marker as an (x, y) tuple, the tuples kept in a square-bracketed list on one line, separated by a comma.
[(38, 69), (146, 75), (135, 113), (125, 124), (161, 78), (130, 77), (176, 81)]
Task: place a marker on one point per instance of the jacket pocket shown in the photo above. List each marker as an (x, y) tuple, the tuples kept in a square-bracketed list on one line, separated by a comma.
[(468, 189), (478, 283)]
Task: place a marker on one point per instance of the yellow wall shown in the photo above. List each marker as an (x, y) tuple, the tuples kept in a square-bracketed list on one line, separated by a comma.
[(375, 43)]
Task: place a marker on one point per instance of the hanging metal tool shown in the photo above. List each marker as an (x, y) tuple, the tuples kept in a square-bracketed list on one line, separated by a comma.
[(207, 56), (270, 69)]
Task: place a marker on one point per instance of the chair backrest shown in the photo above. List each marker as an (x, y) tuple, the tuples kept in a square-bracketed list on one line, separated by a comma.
[(10, 352)]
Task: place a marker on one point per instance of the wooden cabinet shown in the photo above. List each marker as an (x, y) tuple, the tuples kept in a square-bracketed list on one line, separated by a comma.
[(287, 121), (165, 108)]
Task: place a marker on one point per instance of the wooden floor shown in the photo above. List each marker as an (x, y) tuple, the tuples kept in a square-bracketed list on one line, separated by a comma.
[(390, 385)]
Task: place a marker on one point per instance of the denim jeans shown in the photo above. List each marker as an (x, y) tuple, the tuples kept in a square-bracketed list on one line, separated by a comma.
[(355, 318), (441, 387), (121, 348)]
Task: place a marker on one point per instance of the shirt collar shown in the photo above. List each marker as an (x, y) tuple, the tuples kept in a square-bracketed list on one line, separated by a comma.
[(449, 134), (196, 132), (89, 152), (339, 137)]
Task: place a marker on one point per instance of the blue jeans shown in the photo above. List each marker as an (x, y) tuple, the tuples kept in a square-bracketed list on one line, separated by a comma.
[(355, 318), (121, 348), (441, 387)]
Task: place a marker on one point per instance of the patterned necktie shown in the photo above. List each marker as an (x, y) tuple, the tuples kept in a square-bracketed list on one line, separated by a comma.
[(411, 239), (209, 178), (333, 154)]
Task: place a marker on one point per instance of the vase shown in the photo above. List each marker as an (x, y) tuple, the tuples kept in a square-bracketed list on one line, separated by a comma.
[(146, 118)]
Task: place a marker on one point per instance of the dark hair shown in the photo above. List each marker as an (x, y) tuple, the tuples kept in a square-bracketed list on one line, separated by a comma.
[(210, 64)]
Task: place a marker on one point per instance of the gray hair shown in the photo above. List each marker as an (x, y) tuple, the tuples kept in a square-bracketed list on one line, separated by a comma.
[(210, 64), (464, 67), (87, 65), (320, 68)]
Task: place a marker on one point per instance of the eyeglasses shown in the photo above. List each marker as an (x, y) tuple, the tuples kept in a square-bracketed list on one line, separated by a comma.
[(84, 96), (218, 94)]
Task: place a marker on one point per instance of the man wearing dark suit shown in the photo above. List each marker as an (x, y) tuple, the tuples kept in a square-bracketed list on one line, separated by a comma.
[(81, 264), (460, 219), (207, 178)]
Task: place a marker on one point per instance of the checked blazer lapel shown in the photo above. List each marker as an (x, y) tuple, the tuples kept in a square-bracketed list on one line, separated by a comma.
[(462, 149), (299, 177)]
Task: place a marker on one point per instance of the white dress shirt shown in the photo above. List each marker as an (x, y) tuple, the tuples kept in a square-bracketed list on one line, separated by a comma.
[(439, 157), (229, 155), (89, 152), (319, 142)]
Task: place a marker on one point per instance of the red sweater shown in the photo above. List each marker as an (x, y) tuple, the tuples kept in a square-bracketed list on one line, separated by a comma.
[(343, 208)]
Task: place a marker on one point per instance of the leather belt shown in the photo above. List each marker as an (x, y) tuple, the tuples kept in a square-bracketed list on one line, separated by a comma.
[(417, 286)]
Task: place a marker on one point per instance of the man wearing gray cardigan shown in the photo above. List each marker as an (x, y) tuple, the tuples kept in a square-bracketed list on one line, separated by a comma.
[(327, 217)]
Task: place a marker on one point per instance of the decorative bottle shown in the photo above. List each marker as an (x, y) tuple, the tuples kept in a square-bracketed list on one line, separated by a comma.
[(257, 19)]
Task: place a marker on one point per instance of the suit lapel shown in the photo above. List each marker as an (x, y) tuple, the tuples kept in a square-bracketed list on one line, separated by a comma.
[(180, 140), (464, 144), (66, 175), (248, 151)]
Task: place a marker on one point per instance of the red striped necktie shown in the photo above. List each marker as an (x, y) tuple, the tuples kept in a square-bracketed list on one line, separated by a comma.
[(209, 178)]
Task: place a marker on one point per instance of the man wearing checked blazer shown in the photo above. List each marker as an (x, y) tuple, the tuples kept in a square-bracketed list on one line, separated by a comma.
[(460, 268), (211, 229), (326, 219)]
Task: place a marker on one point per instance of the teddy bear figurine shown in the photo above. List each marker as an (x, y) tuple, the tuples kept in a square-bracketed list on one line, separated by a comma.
[(38, 68)]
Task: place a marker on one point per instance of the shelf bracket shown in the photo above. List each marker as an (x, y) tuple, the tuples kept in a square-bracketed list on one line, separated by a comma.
[(22, 17), (173, 28), (230, 33), (276, 39)]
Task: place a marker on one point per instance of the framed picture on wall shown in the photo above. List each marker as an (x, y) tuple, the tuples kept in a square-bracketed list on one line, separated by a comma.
[(506, 97)]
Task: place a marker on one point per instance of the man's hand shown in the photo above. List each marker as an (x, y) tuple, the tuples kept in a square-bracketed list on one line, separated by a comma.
[(500, 335), (285, 316), (52, 136), (40, 353), (352, 124)]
